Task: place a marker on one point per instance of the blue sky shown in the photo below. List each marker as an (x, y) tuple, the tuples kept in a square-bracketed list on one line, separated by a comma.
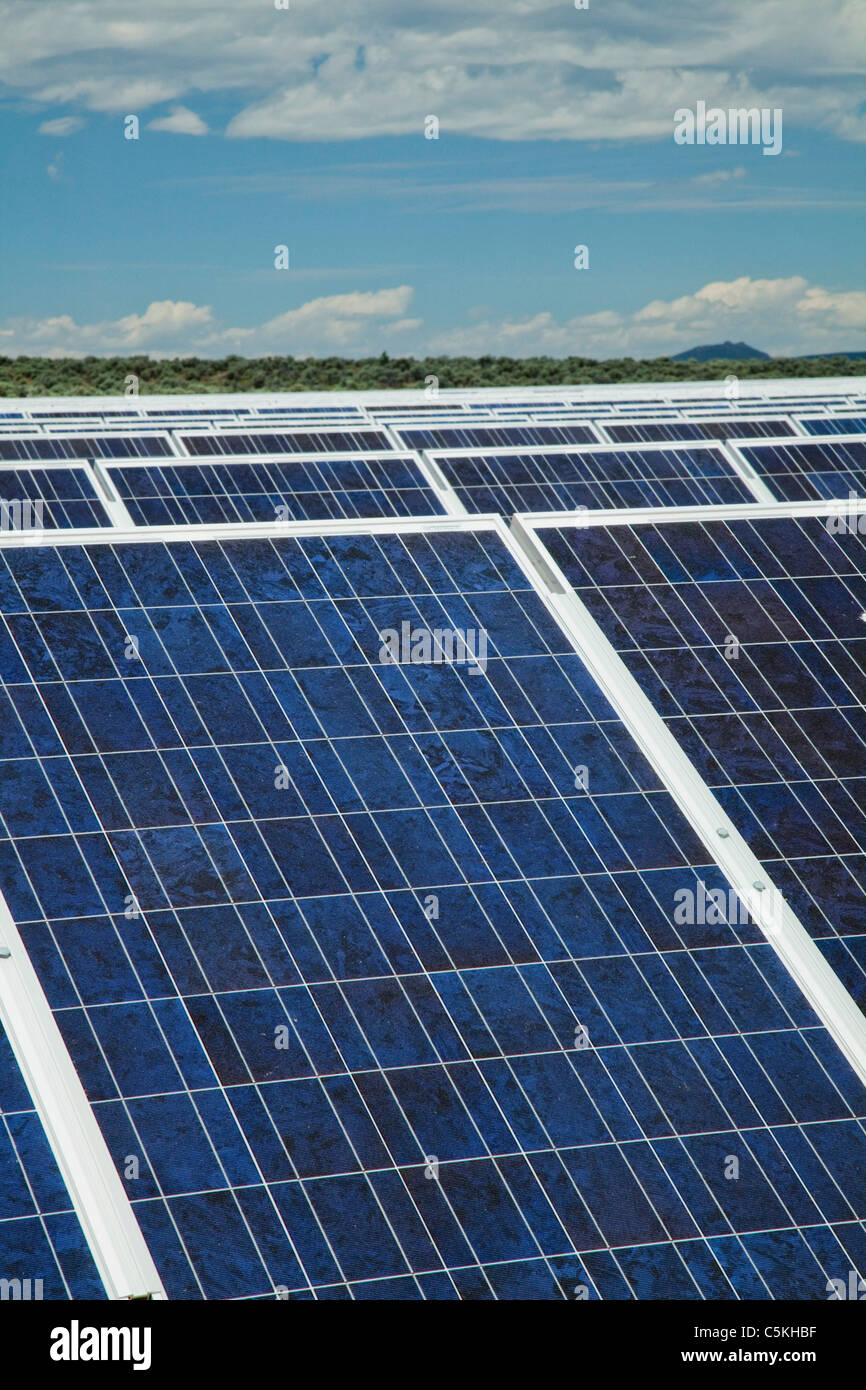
[(261, 127)]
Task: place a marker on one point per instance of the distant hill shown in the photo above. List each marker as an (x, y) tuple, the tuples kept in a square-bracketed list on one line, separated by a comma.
[(722, 352)]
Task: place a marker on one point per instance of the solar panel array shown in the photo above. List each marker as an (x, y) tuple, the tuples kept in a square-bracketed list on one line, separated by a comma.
[(351, 894), (775, 722), (836, 467), (50, 498), (314, 488), (516, 481), (648, 431), (834, 424)]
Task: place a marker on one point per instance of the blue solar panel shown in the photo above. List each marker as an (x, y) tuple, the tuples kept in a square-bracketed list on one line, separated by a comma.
[(376, 912), (834, 424), (48, 499), (520, 407), (76, 446), (181, 412), (357, 486), (347, 410), (42, 1244), (321, 441), (548, 481), (729, 428), (505, 436), (59, 416), (803, 472), (779, 729)]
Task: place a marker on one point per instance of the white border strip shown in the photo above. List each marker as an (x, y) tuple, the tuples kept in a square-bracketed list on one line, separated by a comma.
[(122, 1258), (710, 511), (754, 390), (109, 496), (818, 981), (258, 530)]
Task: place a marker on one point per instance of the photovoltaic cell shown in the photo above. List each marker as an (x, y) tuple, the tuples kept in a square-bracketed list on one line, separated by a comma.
[(41, 1240), (76, 446), (517, 481), (323, 934), (505, 436), (321, 441), (658, 430), (67, 496), (804, 472), (777, 730), (323, 487)]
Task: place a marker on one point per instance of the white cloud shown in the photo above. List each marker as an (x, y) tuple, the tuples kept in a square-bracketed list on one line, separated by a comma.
[(332, 323), (527, 70), (786, 316), (61, 126), (60, 334), (340, 323), (180, 121), (720, 176), (54, 170), (782, 316)]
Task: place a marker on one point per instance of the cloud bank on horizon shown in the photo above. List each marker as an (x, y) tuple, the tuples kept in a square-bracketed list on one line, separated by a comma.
[(356, 324)]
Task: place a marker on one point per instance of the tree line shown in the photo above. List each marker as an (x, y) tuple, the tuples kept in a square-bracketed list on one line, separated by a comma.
[(108, 376)]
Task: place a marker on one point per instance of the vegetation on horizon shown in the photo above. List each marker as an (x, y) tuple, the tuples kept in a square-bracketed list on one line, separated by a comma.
[(106, 376)]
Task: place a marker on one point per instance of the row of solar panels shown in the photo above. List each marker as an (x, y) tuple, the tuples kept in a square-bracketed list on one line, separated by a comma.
[(390, 976), (718, 418), (431, 435), (809, 416), (416, 1017), (275, 484)]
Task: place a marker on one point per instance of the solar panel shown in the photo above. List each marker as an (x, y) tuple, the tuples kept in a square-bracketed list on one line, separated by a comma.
[(75, 446), (58, 416), (43, 1252), (518, 406), (637, 432), (48, 498), (748, 637), (388, 1001), (98, 425), (833, 424), (321, 441), (803, 471), (514, 481), (187, 413), (496, 436), (347, 410), (265, 490)]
